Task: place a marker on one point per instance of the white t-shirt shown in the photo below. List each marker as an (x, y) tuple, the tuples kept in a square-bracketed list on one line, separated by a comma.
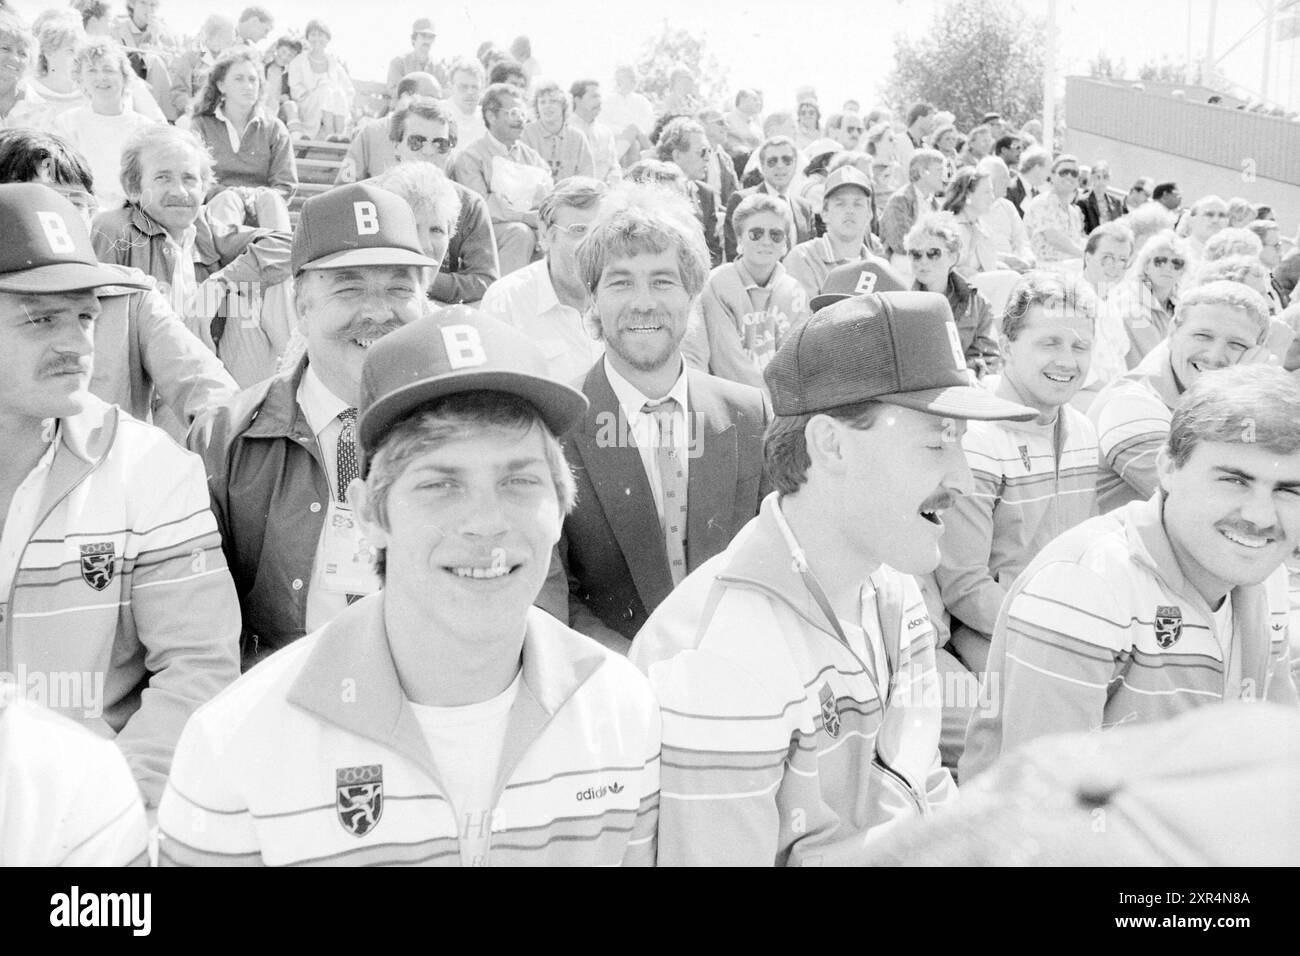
[(1232, 688), (466, 743), (100, 140)]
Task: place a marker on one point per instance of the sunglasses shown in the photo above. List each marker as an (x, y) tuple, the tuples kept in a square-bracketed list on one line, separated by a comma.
[(756, 234), (1068, 172), (416, 143), (784, 160), (1161, 261), (934, 255), (853, 129)]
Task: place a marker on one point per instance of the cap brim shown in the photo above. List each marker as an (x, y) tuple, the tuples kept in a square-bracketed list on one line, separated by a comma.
[(378, 256), (67, 277), (560, 406), (962, 401), (821, 300)]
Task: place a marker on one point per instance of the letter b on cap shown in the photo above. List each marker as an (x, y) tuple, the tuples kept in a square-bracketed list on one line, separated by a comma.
[(367, 218), (464, 347), (56, 233)]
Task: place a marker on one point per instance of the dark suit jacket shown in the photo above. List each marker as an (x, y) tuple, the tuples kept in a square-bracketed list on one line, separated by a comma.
[(1091, 210), (804, 225), (705, 201), (612, 549)]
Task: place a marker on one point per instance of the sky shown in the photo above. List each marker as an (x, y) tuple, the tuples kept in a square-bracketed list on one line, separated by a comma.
[(842, 47)]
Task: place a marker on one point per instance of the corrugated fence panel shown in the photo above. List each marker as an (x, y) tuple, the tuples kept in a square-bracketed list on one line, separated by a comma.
[(1210, 134)]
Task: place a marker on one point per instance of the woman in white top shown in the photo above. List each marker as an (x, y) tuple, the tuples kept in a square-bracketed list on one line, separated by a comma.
[(808, 128), (100, 129), (53, 88), (970, 196), (320, 85)]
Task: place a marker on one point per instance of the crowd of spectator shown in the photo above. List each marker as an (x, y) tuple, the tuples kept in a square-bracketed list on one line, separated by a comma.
[(762, 475)]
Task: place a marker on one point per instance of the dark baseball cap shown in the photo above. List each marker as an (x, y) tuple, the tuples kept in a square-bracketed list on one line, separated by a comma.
[(897, 347), (457, 349), (46, 247), (857, 278), (357, 225), (846, 176)]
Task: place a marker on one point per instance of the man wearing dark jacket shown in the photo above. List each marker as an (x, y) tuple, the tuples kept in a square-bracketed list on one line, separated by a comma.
[(280, 456)]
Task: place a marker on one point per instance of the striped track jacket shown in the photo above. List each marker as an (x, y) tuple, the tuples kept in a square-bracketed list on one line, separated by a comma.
[(267, 773), (1103, 629), (1031, 483), (123, 583), (771, 722), (1132, 416)]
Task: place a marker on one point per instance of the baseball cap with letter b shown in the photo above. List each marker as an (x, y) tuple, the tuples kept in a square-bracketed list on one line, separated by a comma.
[(902, 348), (46, 248), (357, 225), (457, 349)]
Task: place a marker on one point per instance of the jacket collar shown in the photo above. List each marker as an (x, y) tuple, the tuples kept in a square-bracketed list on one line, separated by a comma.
[(280, 415), (205, 246), (762, 557), (84, 441), (353, 653), (1157, 372)]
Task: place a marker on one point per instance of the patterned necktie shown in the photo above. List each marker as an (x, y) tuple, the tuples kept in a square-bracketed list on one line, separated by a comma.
[(672, 477), (346, 452)]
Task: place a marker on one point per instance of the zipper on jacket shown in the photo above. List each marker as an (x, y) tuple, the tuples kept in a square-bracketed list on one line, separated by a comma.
[(891, 774)]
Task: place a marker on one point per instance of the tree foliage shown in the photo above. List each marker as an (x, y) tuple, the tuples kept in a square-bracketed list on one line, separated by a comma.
[(979, 56), (674, 47)]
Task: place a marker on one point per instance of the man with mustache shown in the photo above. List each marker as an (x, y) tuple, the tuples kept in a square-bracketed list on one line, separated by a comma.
[(281, 454), (795, 671), (114, 595), (216, 276), (668, 459), (510, 175), (1215, 325), (1168, 604)]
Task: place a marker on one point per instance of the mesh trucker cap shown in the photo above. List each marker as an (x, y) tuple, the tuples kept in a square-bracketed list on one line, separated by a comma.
[(458, 349), (357, 225), (46, 248), (897, 347), (857, 278)]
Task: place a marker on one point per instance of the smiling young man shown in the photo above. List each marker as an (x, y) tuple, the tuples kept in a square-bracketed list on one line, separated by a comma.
[(796, 669), (280, 455), (1215, 325), (1032, 480), (1167, 604), (443, 720)]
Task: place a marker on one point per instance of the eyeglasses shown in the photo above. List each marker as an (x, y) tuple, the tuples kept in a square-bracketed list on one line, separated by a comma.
[(575, 231), (1161, 261), (934, 255), (1109, 260), (416, 143), (1214, 215), (1068, 172), (756, 234), (785, 160), (853, 129)]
